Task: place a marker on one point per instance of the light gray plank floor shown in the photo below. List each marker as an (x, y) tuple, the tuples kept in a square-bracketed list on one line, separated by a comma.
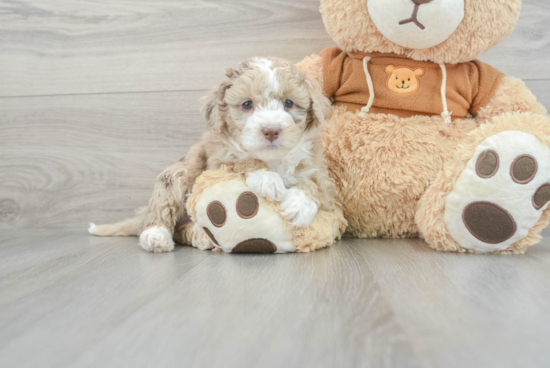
[(71, 300)]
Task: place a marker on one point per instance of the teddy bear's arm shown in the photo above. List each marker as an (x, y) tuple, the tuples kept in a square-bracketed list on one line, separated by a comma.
[(511, 96)]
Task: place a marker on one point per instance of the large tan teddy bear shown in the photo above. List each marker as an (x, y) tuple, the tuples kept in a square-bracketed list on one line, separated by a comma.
[(425, 140)]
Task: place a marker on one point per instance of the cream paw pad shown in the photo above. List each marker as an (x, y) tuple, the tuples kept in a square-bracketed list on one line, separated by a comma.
[(501, 194)]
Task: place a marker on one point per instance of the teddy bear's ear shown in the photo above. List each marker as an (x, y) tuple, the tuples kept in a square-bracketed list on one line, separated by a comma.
[(419, 72), (319, 104), (390, 69)]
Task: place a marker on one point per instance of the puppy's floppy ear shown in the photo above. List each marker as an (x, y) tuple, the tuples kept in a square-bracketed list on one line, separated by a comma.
[(320, 104), (213, 106)]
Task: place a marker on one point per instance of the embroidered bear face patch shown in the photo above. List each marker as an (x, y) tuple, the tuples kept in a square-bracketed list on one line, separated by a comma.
[(403, 80)]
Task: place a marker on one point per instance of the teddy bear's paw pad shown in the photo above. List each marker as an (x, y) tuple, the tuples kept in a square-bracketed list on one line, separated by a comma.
[(210, 235), (487, 164), (247, 205), (489, 222), (255, 246), (217, 213), (202, 238), (542, 196), (237, 220), (524, 168), (501, 194)]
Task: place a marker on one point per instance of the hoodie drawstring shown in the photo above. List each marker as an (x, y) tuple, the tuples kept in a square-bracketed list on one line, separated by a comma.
[(446, 115), (366, 109)]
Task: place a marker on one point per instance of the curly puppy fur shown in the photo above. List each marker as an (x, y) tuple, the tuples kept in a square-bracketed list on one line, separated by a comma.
[(239, 133)]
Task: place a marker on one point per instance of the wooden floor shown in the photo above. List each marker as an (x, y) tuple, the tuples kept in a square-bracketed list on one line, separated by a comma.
[(72, 300), (97, 97)]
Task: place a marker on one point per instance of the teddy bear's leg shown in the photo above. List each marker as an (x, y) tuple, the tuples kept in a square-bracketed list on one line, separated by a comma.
[(235, 218), (239, 219), (493, 196), (325, 228)]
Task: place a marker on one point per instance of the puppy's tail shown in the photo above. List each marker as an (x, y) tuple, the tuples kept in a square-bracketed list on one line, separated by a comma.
[(128, 227)]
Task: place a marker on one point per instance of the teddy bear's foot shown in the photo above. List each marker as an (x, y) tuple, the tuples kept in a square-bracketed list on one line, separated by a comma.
[(501, 194), (237, 220)]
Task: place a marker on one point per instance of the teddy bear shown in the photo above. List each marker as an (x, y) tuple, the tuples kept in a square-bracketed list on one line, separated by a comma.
[(424, 140)]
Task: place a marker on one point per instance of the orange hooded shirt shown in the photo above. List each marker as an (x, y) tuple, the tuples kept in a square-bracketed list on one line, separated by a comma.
[(406, 87)]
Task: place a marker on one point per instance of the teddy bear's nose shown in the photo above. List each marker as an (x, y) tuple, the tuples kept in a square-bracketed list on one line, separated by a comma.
[(403, 82)]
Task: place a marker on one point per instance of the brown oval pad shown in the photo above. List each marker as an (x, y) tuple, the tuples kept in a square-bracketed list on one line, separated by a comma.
[(247, 205), (489, 222), (487, 164), (255, 246), (217, 213), (211, 236), (523, 169), (542, 196)]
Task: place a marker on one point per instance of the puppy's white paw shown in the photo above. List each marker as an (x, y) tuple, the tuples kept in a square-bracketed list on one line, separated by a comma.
[(267, 184), (297, 208), (200, 239), (157, 240)]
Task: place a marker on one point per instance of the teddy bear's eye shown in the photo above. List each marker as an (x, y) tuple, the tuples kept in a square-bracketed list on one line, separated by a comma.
[(396, 78), (409, 79)]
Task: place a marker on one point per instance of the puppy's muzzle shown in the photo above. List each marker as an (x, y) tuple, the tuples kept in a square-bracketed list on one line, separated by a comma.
[(271, 134)]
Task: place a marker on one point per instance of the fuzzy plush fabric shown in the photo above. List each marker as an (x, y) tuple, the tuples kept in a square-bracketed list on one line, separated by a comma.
[(485, 24), (383, 164), (511, 96)]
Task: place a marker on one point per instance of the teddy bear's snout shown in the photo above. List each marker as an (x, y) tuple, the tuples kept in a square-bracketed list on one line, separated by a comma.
[(420, 2), (414, 16)]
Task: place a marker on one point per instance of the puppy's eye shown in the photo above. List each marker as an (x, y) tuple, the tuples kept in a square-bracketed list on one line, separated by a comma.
[(289, 104), (248, 105)]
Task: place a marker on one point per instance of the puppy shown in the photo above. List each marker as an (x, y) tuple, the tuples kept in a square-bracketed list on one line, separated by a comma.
[(265, 120)]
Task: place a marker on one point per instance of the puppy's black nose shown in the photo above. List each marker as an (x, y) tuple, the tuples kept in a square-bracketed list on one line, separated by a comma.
[(271, 134)]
